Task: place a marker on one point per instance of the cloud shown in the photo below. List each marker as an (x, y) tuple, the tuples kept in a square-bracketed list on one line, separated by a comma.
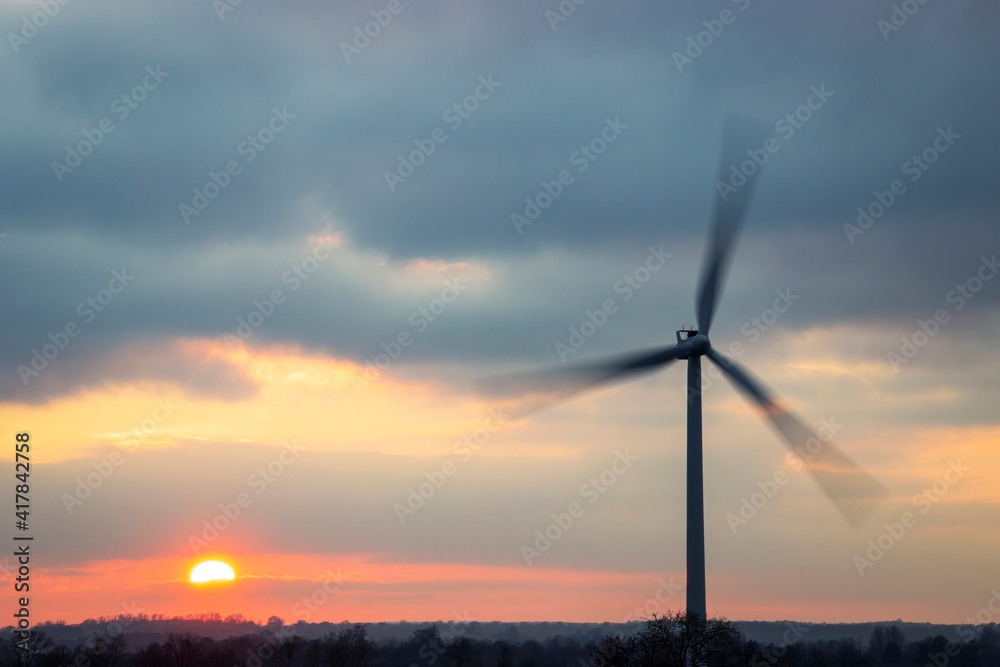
[(307, 298)]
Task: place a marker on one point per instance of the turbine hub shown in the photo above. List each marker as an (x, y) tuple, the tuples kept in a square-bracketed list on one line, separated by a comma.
[(700, 344)]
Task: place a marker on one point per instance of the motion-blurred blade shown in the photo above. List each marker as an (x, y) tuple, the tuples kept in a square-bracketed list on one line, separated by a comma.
[(538, 389), (853, 491), (742, 152)]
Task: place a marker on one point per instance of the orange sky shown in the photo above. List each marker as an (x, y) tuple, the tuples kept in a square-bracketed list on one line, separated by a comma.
[(310, 400)]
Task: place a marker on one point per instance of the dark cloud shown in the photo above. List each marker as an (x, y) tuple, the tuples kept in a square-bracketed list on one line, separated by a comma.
[(557, 89)]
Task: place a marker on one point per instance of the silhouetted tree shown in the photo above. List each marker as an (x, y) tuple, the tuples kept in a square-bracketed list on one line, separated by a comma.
[(105, 650), (929, 646), (877, 643), (152, 655), (776, 655), (286, 650), (461, 652), (182, 649), (614, 651), (885, 645), (225, 653), (848, 653), (987, 645), (504, 654), (895, 641), (26, 653), (427, 644), (59, 656), (531, 653), (313, 654), (350, 648), (676, 639), (893, 654)]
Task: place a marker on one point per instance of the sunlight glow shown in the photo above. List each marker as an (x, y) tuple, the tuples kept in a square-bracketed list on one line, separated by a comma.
[(212, 570)]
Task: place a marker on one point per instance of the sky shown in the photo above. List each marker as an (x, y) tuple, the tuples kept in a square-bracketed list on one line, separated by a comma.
[(256, 255)]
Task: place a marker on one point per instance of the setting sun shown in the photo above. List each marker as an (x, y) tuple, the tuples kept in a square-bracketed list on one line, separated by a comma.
[(212, 570)]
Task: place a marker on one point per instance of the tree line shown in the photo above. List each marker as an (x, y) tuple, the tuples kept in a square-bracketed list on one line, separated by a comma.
[(675, 639)]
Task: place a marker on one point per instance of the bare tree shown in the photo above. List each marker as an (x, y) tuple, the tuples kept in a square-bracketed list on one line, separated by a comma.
[(894, 635), (614, 651), (677, 639), (350, 648), (182, 649), (989, 644), (504, 654), (461, 653), (895, 641), (284, 656), (107, 650), (849, 654), (877, 643), (24, 652)]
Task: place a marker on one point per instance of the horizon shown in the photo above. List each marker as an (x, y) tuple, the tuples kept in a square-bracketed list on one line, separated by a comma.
[(261, 259), (202, 617)]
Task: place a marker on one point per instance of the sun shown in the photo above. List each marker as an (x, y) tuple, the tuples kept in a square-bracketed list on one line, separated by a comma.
[(211, 570)]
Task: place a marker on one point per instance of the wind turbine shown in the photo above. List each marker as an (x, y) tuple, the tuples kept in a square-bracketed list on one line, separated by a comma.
[(854, 492)]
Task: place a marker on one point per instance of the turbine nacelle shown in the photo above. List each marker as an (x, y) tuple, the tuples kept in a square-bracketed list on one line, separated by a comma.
[(695, 344)]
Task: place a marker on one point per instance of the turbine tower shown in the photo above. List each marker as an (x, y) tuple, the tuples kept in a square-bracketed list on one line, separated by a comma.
[(853, 492)]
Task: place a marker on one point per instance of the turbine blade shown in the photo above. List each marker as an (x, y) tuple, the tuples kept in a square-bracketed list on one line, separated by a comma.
[(855, 493), (538, 389), (741, 135)]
